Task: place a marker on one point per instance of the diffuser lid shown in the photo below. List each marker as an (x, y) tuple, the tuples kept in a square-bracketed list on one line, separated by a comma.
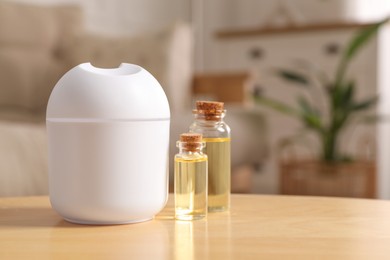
[(128, 92)]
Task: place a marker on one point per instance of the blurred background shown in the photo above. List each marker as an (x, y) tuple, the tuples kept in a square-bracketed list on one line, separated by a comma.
[(225, 50)]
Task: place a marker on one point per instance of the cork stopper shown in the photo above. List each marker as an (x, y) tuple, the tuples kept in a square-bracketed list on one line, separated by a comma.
[(209, 110), (209, 107), (191, 138), (191, 141)]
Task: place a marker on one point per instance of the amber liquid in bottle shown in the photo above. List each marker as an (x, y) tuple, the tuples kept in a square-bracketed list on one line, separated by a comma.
[(190, 178), (191, 188), (209, 121), (218, 152)]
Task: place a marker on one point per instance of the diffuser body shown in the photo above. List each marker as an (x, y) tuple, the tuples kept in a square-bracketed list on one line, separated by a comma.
[(108, 141)]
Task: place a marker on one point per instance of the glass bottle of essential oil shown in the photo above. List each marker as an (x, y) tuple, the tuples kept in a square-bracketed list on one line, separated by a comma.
[(190, 178), (216, 133)]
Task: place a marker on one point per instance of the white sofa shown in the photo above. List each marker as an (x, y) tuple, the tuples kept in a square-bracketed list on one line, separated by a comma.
[(39, 44)]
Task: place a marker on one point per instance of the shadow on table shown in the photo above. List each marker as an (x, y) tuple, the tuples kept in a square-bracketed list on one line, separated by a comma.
[(47, 217), (32, 217)]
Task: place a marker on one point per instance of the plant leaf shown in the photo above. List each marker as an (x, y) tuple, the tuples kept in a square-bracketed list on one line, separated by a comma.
[(368, 119), (336, 92), (292, 76), (310, 115), (348, 93), (313, 121), (361, 38), (306, 106), (372, 119), (314, 69), (277, 105), (342, 96), (365, 104)]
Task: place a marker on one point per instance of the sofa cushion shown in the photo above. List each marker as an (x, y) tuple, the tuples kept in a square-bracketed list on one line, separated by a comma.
[(22, 77), (11, 114), (37, 28), (31, 39), (23, 159), (41, 27)]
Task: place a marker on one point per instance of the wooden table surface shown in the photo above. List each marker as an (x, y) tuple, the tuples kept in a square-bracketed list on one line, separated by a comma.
[(257, 227)]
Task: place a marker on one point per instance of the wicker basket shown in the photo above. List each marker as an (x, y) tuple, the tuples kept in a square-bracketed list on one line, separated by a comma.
[(352, 179)]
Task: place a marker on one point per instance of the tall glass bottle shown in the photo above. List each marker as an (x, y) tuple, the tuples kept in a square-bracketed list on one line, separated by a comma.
[(190, 178), (216, 133)]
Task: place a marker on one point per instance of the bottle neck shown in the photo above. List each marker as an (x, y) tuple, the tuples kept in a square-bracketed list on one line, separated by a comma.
[(190, 148), (209, 119)]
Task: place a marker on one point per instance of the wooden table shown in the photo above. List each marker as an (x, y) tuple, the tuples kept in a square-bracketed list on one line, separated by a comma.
[(257, 227)]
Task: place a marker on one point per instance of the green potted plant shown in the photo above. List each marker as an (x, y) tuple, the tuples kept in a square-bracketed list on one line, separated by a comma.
[(339, 94)]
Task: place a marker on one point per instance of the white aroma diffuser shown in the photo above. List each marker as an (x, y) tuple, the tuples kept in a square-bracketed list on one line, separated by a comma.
[(108, 134)]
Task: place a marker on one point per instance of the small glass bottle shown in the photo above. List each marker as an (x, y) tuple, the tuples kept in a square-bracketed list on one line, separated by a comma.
[(216, 133), (190, 178)]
